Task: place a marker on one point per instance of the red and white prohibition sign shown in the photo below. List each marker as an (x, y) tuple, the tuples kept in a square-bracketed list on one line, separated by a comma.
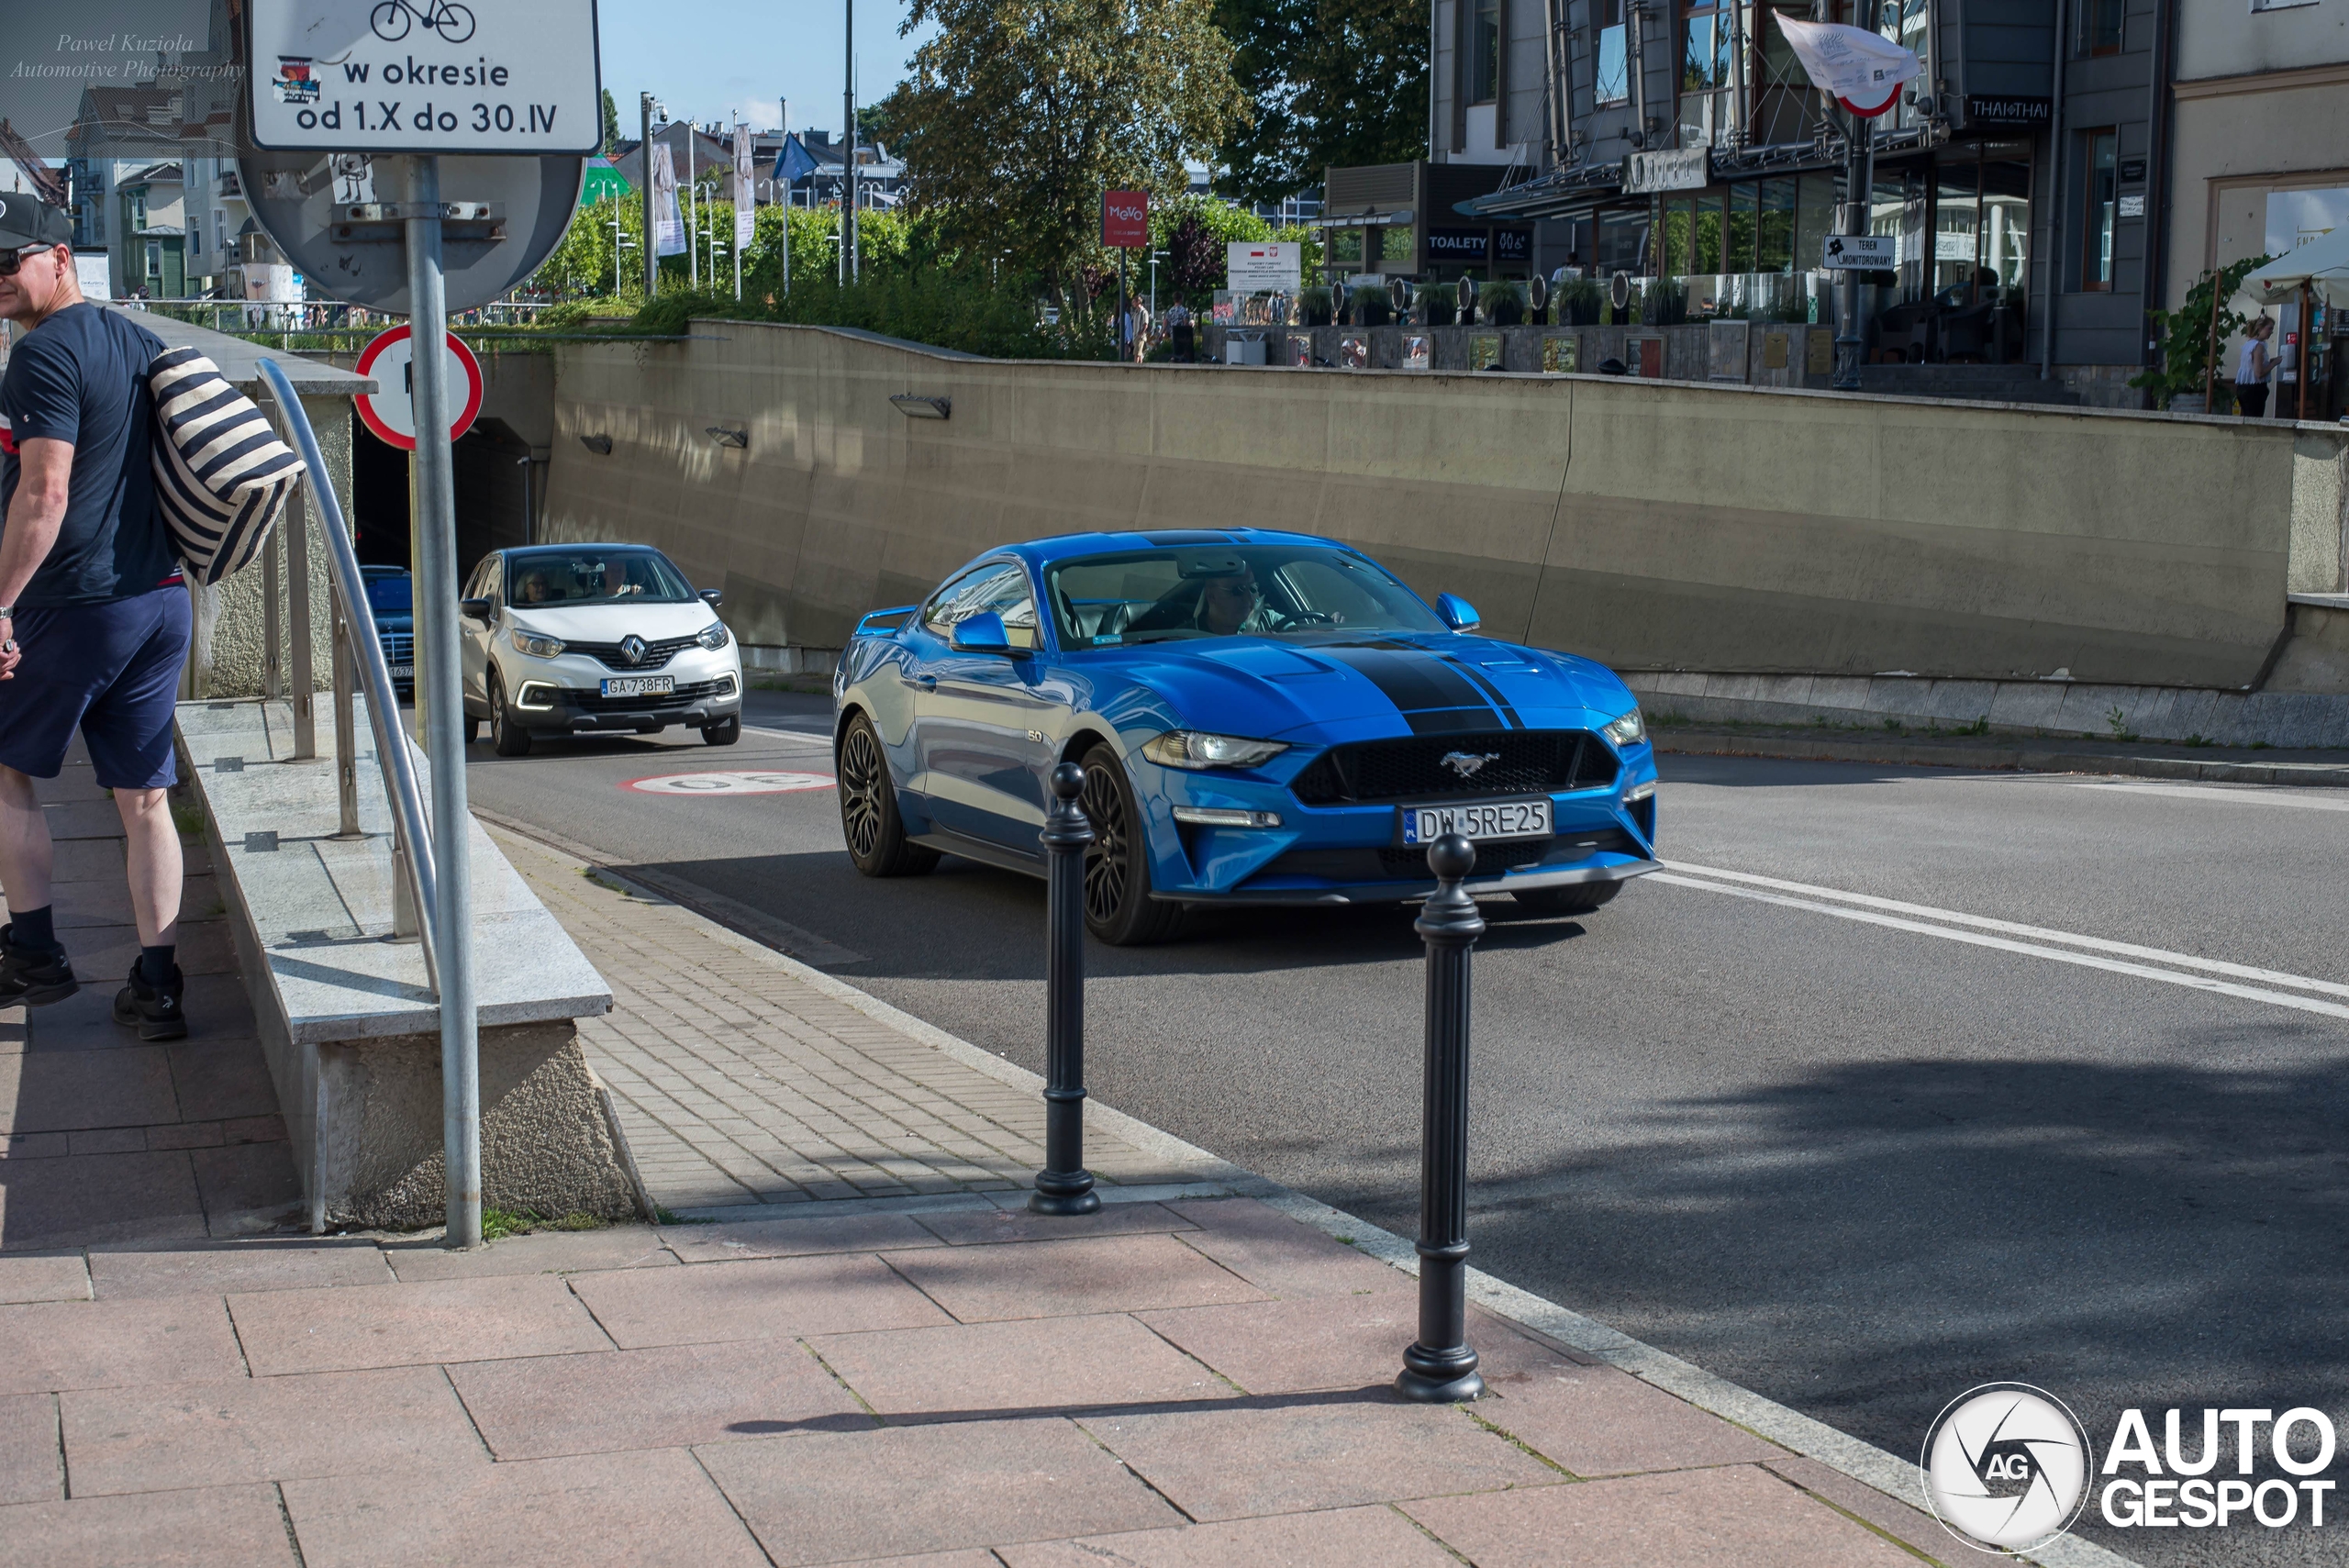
[(390, 411)]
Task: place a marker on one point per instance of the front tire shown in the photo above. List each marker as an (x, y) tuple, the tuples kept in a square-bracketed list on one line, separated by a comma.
[(870, 826), (506, 736), (722, 734), (1575, 898), (1117, 905)]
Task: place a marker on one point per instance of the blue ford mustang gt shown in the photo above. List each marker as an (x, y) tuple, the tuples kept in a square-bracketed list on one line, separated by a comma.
[(1263, 717)]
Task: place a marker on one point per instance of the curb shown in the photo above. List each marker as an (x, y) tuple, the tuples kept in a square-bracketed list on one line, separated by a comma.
[(2035, 759), (1871, 1466)]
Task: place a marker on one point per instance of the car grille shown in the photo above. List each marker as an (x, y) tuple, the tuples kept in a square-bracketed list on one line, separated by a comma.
[(656, 654), (399, 647), (1395, 862), (587, 699), (1521, 762)]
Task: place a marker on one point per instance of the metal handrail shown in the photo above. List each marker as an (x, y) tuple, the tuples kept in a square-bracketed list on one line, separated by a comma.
[(412, 840)]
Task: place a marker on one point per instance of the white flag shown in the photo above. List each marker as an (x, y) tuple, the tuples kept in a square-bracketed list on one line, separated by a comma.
[(669, 239), (746, 189), (1864, 70)]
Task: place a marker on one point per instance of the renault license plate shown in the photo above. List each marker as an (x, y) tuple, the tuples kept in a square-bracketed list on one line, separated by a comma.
[(640, 686), (1479, 823)]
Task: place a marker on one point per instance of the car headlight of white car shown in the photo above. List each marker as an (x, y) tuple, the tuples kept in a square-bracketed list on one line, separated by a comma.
[(537, 647), (1628, 730), (1191, 748), (713, 636)]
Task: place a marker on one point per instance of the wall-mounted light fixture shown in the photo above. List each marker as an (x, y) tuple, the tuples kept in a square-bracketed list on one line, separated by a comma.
[(726, 437), (600, 445), (914, 407)]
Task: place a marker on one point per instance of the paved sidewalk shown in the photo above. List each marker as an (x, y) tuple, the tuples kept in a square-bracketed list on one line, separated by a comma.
[(742, 1078), (929, 1376), (104, 1136)]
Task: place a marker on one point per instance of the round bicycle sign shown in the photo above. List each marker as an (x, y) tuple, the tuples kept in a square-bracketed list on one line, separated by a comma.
[(735, 783), (391, 412)]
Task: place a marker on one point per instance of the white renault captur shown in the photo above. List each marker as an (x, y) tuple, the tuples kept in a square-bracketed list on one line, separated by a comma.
[(577, 638)]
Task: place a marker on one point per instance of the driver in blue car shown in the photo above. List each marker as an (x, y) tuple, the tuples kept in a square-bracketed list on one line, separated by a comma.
[(1232, 604)]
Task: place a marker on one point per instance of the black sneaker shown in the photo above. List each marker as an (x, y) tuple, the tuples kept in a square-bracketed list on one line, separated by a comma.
[(35, 979), (154, 1008)]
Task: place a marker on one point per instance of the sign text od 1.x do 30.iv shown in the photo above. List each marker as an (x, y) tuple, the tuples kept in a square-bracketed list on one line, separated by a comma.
[(519, 76)]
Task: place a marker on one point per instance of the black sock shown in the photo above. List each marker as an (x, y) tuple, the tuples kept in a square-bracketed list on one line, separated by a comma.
[(33, 930), (155, 964)]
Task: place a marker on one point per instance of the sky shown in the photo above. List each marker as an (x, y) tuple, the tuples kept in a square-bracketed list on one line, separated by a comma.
[(708, 61)]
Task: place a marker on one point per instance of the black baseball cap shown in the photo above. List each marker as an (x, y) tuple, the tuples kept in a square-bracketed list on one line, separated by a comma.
[(28, 220)]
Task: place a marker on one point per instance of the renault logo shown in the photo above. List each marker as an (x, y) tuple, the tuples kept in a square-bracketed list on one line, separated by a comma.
[(632, 649), (1467, 765)]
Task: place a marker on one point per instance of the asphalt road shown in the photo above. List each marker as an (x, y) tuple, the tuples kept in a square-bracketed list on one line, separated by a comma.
[(2065, 1104)]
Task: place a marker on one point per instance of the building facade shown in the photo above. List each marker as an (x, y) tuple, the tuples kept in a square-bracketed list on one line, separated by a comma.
[(2027, 176)]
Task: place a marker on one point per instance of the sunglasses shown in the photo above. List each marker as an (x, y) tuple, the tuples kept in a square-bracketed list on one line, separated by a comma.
[(12, 259)]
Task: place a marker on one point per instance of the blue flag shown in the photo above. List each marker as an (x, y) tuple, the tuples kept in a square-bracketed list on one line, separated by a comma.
[(794, 162)]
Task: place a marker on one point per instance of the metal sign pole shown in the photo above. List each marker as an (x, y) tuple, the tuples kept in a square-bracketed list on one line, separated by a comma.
[(1859, 175), (436, 647), (645, 155)]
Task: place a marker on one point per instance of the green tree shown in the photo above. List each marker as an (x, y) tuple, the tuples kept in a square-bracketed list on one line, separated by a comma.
[(2187, 334), (611, 124), (1342, 83), (1020, 113)]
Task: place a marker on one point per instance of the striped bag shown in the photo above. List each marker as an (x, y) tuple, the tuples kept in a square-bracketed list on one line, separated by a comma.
[(222, 477)]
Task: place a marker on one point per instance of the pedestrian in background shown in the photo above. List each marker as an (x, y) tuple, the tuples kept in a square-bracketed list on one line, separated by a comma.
[(2252, 367), (1180, 334), (94, 614)]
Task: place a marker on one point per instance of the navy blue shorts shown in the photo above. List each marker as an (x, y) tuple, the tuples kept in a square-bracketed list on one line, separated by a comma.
[(110, 670)]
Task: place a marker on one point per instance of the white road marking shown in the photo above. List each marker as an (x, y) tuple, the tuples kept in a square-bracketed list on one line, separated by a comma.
[(789, 735), (2016, 929), (2290, 795), (2033, 950), (757, 781)]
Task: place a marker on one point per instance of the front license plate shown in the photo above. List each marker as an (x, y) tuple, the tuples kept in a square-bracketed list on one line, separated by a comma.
[(1479, 823), (640, 686), (403, 672)]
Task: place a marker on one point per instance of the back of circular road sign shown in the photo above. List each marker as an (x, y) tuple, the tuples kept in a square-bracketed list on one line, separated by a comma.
[(506, 94)]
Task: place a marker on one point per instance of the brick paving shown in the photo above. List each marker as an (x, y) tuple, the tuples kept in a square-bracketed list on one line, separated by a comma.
[(739, 1082), (938, 1379)]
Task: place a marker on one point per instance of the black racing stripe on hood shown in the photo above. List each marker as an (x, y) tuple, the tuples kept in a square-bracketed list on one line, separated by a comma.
[(1492, 693), (1434, 696)]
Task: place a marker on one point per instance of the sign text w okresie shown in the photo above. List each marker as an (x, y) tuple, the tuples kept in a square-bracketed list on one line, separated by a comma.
[(492, 76)]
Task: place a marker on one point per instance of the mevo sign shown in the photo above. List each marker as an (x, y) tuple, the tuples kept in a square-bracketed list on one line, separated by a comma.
[(1125, 220)]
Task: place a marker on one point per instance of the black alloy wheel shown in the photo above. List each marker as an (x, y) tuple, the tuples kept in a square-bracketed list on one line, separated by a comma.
[(509, 739), (1117, 905), (1575, 898), (870, 824)]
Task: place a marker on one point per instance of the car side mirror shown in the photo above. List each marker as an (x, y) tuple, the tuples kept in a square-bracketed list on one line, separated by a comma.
[(712, 597), (1458, 613), (474, 609), (981, 633)]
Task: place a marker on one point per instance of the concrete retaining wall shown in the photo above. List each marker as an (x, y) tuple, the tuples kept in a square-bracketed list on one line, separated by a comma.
[(1657, 526)]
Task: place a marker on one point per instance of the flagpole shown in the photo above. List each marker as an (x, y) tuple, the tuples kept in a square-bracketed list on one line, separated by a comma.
[(781, 159), (693, 234)]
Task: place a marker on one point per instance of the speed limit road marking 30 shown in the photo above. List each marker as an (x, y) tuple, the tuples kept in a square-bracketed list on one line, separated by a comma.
[(728, 784)]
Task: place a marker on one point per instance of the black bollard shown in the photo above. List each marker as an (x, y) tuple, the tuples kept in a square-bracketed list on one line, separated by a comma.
[(1064, 1185), (1440, 1368)]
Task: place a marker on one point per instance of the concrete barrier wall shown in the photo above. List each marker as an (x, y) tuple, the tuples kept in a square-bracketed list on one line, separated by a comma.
[(1654, 525)]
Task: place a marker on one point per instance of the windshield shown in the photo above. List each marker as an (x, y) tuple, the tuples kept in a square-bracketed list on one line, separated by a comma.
[(1153, 595), (388, 592), (592, 576)]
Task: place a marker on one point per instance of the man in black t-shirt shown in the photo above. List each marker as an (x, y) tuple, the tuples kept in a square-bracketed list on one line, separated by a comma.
[(94, 617)]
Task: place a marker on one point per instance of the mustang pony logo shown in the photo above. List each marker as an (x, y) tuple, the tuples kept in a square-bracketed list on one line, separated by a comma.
[(1468, 764)]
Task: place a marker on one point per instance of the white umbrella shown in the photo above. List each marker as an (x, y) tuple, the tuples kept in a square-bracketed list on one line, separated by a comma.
[(2321, 264)]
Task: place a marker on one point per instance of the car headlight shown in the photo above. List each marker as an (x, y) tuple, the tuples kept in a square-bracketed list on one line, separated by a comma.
[(537, 647), (1628, 730), (713, 636), (1190, 749)]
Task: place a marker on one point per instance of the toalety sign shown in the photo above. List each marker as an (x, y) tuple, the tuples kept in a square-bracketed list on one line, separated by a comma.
[(510, 76), (2007, 1468)]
